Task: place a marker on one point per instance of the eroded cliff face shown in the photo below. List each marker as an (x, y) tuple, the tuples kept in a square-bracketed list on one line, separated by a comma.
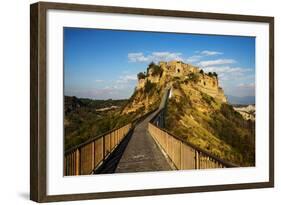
[(151, 84)]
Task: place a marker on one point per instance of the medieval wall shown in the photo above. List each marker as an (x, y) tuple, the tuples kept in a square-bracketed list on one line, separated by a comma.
[(206, 84)]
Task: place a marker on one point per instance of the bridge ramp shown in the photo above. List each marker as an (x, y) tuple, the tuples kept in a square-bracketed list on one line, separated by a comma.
[(142, 154)]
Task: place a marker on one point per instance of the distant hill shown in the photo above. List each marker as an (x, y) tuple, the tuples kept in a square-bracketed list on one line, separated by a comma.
[(72, 103), (85, 118), (247, 100)]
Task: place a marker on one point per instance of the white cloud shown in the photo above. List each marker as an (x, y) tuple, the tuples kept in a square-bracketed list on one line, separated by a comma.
[(210, 53), (165, 56), (246, 85), (234, 80), (126, 78), (225, 69), (202, 54), (228, 73), (129, 77), (99, 81), (169, 56), (193, 59), (216, 62), (154, 56), (137, 57)]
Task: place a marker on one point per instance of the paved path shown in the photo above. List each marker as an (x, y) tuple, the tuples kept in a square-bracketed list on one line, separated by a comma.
[(142, 153)]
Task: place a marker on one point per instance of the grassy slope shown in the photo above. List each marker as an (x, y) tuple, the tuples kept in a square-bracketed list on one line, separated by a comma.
[(151, 93), (211, 125)]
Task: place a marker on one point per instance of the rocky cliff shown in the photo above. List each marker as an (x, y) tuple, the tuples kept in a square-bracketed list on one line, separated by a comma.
[(174, 73)]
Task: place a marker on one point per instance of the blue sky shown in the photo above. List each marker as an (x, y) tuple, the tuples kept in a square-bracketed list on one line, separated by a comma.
[(103, 64)]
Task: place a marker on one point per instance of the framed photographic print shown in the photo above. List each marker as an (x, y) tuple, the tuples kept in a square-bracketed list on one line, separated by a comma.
[(134, 102)]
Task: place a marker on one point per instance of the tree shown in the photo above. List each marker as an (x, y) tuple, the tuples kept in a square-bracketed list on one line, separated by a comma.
[(148, 86), (193, 77), (151, 65), (155, 69), (141, 75), (213, 74)]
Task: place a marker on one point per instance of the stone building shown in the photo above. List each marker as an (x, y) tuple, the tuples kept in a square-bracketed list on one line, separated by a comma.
[(206, 83)]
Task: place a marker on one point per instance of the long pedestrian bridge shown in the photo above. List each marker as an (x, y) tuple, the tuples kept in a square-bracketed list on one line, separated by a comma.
[(140, 146)]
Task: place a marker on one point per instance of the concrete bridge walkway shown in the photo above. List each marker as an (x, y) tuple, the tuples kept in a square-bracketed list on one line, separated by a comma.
[(142, 154)]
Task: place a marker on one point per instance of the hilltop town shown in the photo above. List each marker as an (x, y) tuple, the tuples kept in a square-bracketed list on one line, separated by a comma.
[(207, 83), (169, 74)]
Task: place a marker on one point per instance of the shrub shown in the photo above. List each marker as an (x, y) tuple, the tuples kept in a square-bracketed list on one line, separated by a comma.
[(156, 69), (213, 74), (151, 65), (141, 75), (207, 98), (148, 86), (176, 85), (193, 77)]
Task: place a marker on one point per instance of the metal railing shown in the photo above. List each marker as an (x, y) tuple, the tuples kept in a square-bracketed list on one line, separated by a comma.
[(182, 154), (85, 158)]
